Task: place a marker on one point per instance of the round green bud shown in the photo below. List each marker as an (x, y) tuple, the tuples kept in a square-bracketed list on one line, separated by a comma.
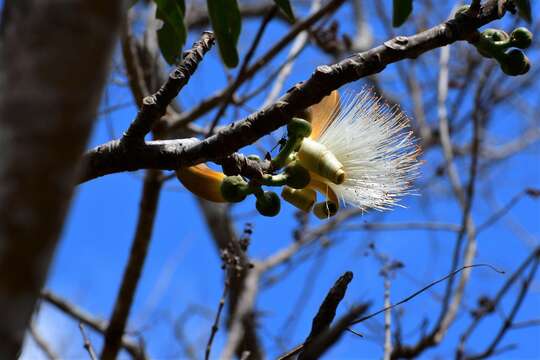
[(234, 188), (299, 128), (496, 35), (297, 176), (268, 203), (515, 63), (492, 43), (521, 38)]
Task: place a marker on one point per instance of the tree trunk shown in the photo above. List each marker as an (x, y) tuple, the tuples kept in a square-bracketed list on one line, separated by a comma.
[(54, 58)]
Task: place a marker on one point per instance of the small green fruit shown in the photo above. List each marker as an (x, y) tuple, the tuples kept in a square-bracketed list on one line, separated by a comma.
[(515, 63), (234, 188), (268, 203), (521, 38), (299, 128)]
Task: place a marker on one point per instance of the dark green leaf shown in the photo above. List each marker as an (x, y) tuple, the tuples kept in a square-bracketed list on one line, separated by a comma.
[(226, 22), (402, 10), (285, 6), (172, 35), (524, 9)]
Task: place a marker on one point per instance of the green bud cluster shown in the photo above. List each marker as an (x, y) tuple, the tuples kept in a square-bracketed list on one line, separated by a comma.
[(294, 178), (497, 44)]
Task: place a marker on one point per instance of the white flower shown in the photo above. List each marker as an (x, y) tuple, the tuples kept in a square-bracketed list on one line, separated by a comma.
[(375, 145)]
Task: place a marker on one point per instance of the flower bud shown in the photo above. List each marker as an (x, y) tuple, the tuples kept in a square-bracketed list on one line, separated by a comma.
[(297, 176), (324, 210), (234, 188), (268, 203), (298, 128), (493, 42), (303, 199), (521, 38), (515, 63), (317, 158)]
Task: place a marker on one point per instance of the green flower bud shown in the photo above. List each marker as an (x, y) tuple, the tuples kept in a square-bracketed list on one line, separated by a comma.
[(521, 38), (492, 43), (324, 210), (515, 63), (234, 188), (299, 128), (297, 176), (268, 203)]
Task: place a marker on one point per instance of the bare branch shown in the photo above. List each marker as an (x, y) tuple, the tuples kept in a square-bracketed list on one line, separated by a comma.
[(42, 343), (96, 324), (137, 256), (87, 344)]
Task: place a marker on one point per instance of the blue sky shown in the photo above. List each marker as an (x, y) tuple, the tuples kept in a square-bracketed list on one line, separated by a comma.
[(183, 267)]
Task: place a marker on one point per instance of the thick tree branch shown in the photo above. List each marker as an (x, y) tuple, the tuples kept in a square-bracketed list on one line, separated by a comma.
[(324, 80)]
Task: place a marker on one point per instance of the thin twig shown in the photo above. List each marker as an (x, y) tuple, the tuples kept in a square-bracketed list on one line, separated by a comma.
[(87, 344), (387, 352), (416, 293), (507, 323), (495, 301), (215, 325), (96, 324)]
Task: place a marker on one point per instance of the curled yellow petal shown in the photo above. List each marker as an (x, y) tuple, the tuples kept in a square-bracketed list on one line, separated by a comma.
[(302, 199), (323, 113), (202, 181)]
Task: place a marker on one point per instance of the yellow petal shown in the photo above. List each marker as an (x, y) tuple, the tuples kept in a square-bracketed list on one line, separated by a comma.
[(202, 181), (322, 114)]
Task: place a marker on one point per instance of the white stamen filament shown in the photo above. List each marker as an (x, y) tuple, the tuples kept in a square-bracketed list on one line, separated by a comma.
[(378, 152)]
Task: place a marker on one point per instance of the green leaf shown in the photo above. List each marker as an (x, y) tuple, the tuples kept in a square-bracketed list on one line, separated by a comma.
[(226, 22), (402, 10), (172, 35), (285, 6), (524, 9)]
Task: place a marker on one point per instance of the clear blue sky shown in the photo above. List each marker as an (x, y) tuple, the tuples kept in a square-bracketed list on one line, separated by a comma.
[(183, 266)]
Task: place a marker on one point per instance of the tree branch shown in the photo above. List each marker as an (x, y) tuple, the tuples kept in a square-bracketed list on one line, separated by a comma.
[(155, 106), (137, 256), (324, 80), (96, 324)]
